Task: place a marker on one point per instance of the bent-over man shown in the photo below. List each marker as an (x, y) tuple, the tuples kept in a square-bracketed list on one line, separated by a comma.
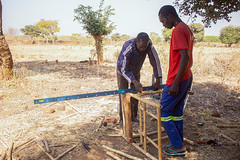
[(129, 64)]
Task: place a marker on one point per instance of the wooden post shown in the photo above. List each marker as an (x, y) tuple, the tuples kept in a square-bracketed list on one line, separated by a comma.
[(145, 128), (128, 118), (159, 134), (141, 122)]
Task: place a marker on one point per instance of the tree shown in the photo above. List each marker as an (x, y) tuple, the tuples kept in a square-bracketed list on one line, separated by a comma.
[(6, 61), (155, 37), (49, 28), (96, 23), (115, 37), (212, 39), (230, 35), (31, 31), (167, 33), (125, 37), (210, 10), (198, 31)]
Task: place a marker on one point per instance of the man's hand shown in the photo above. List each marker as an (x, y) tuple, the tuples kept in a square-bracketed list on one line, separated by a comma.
[(156, 85), (173, 90), (138, 86)]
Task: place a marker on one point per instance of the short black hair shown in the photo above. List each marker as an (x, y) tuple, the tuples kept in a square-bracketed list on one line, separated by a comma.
[(142, 36), (168, 9)]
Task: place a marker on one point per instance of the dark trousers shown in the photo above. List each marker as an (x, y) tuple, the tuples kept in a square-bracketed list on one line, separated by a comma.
[(123, 84)]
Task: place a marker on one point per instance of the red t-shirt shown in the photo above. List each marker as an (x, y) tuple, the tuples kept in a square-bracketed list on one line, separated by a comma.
[(182, 38)]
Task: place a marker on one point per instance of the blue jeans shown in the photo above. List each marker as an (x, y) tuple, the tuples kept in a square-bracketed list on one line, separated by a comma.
[(172, 112)]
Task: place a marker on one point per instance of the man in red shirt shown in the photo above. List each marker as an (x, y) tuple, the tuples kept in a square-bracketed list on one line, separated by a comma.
[(179, 79)]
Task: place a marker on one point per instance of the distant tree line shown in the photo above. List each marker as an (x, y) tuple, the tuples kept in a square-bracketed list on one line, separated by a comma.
[(228, 35), (43, 29)]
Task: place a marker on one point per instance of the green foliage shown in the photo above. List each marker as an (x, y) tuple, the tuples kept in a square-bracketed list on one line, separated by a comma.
[(230, 35), (49, 28), (212, 39), (167, 33), (155, 37), (31, 30), (198, 31), (96, 23), (210, 10)]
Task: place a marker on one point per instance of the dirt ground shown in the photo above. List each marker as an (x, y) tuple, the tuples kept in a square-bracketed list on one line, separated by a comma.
[(50, 71)]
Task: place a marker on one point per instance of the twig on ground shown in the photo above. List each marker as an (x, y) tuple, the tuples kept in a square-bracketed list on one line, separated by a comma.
[(10, 151), (228, 126), (121, 153), (46, 144), (112, 155), (43, 150), (64, 153), (24, 143), (228, 138), (3, 155)]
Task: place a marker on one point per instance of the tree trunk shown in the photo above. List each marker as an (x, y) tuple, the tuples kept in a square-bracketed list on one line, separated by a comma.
[(6, 62), (99, 48)]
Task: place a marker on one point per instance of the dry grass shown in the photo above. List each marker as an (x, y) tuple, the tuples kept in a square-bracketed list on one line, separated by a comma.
[(37, 74)]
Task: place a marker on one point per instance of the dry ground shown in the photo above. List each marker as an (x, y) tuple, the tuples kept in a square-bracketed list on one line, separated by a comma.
[(55, 70)]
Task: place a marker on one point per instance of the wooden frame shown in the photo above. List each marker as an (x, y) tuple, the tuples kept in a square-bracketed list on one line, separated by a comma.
[(127, 123)]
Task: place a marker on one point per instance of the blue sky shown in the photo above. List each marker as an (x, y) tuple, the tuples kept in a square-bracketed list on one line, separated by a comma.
[(131, 16)]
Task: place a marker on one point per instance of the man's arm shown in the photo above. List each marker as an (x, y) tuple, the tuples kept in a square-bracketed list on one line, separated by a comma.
[(157, 69), (173, 90)]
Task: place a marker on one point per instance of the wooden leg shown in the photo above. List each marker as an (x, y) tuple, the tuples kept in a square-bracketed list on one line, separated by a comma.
[(141, 122), (128, 118), (144, 128), (159, 134)]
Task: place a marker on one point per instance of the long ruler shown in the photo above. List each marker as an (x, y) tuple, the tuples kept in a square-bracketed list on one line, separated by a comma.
[(88, 95)]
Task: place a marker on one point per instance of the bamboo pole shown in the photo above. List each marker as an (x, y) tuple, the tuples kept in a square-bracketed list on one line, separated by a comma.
[(228, 126), (145, 101), (141, 150), (113, 156), (26, 142), (144, 127), (141, 122), (123, 114), (121, 153), (152, 142), (149, 92), (228, 138), (149, 134), (152, 115), (64, 153), (43, 150), (188, 141), (159, 134), (128, 118), (155, 140), (10, 151)]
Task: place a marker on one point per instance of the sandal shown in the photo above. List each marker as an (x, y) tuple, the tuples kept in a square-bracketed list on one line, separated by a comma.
[(171, 152)]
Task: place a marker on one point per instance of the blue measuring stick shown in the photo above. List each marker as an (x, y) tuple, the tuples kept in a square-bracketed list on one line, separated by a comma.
[(88, 95)]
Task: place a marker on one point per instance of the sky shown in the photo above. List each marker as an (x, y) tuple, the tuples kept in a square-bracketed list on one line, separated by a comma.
[(131, 16)]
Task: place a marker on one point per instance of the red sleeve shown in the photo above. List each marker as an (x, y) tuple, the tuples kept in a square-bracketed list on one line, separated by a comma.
[(179, 39)]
